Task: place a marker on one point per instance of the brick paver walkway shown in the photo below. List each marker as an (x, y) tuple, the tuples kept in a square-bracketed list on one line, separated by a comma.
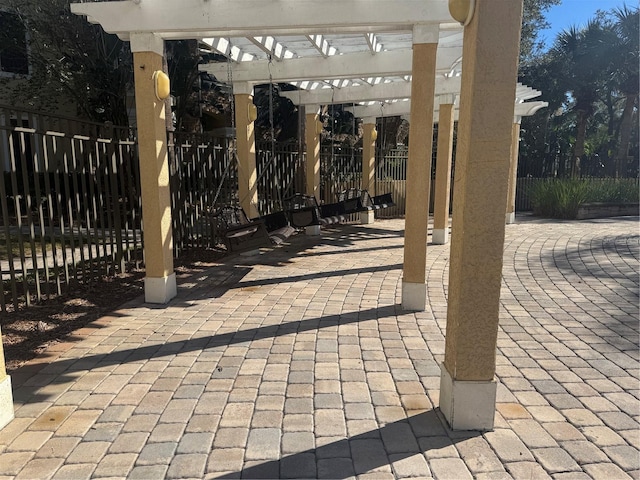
[(300, 363)]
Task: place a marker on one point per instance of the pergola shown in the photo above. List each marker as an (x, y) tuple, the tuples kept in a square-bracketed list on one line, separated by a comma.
[(413, 58)]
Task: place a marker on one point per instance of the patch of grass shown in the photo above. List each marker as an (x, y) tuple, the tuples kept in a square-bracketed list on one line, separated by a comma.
[(12, 244), (613, 190), (561, 198)]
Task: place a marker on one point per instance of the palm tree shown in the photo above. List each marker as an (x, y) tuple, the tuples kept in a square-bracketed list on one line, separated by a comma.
[(626, 76), (584, 61)]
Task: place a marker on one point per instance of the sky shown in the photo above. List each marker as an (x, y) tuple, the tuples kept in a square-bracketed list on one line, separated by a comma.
[(576, 12)]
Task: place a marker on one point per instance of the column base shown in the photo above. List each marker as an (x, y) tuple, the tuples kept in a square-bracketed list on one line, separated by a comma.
[(313, 230), (367, 217), (160, 290), (510, 218), (414, 296), (440, 236), (6, 402), (467, 405)]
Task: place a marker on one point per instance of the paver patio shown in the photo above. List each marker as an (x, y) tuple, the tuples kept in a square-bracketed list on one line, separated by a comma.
[(300, 363)]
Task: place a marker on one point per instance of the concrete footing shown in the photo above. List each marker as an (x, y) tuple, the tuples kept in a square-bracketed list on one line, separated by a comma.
[(440, 236), (510, 218), (313, 230), (414, 296), (160, 290), (367, 217), (467, 405), (6, 402)]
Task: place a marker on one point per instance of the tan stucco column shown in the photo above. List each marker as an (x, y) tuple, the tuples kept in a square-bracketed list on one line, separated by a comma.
[(369, 136), (313, 128), (425, 45), (160, 279), (246, 148), (513, 170), (440, 235), (6, 396), (489, 75)]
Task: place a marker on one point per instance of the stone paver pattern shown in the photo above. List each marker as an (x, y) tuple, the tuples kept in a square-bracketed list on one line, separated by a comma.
[(301, 363)]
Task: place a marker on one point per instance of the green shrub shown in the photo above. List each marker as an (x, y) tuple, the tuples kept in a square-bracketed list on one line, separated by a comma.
[(561, 198), (613, 190)]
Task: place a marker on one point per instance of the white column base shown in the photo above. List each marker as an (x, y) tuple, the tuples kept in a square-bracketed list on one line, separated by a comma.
[(414, 296), (510, 218), (160, 290), (440, 236), (367, 217), (467, 405), (6, 402), (313, 230)]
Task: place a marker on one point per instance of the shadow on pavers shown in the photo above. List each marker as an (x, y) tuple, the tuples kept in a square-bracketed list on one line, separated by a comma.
[(362, 453)]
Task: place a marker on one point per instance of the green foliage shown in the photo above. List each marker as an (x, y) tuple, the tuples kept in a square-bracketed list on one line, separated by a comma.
[(561, 198), (72, 62), (614, 191), (590, 79), (533, 21), (558, 198)]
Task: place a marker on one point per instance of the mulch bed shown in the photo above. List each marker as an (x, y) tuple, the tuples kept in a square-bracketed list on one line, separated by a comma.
[(28, 331)]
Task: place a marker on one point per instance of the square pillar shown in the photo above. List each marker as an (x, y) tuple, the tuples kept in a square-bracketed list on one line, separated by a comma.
[(440, 235), (369, 136), (425, 46), (160, 279), (313, 128), (513, 171), (245, 115), (6, 395), (368, 182), (489, 76)]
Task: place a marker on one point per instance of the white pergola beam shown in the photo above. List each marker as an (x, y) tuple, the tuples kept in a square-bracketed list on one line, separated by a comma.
[(225, 18), (354, 65), (225, 47), (528, 109), (386, 110), (322, 45), (380, 92), (404, 107), (271, 46), (374, 44)]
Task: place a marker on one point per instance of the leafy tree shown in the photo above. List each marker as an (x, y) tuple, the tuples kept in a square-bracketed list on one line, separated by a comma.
[(71, 60), (590, 79), (533, 21), (626, 76)]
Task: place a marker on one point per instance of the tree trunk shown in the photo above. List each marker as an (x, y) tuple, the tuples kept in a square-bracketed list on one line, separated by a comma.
[(578, 149), (626, 124)]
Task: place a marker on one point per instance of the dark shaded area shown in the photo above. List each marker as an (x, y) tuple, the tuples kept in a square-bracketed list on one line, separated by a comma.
[(363, 453), (28, 331)]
